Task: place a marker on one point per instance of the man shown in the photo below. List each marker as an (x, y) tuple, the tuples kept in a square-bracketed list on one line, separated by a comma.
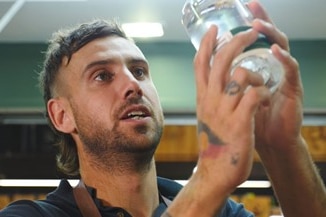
[(103, 105)]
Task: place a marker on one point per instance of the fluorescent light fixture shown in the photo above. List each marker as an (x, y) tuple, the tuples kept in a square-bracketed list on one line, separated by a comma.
[(255, 184), (34, 182), (74, 182), (11, 13), (18, 4), (143, 30), (41, 1), (246, 184)]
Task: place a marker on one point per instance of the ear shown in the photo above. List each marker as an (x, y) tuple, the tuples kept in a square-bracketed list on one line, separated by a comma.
[(60, 116)]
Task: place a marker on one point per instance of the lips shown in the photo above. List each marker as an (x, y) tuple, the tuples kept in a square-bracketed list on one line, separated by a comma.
[(135, 112)]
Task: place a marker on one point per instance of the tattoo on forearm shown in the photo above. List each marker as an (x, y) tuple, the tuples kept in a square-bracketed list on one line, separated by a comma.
[(212, 139), (232, 88), (235, 159), (210, 144)]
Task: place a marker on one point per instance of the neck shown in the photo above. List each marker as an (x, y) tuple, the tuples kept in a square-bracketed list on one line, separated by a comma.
[(134, 191)]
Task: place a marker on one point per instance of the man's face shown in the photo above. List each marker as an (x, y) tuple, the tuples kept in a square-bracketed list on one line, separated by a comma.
[(112, 98)]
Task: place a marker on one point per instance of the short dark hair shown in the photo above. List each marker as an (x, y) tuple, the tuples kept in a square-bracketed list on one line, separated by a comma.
[(64, 44)]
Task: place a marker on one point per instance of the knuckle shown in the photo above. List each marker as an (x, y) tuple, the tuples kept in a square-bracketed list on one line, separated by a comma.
[(241, 74)]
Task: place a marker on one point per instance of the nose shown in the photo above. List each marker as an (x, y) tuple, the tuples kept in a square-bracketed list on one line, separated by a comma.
[(131, 85)]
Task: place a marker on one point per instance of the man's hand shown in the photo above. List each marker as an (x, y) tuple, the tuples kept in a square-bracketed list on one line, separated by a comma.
[(226, 106), (279, 142), (279, 124)]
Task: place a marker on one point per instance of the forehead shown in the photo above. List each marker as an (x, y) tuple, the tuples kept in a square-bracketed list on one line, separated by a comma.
[(107, 48)]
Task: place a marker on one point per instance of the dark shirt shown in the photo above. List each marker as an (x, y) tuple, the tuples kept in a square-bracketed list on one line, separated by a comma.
[(61, 203)]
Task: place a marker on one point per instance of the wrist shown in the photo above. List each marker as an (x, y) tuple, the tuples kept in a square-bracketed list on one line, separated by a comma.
[(282, 148), (200, 197), (291, 157)]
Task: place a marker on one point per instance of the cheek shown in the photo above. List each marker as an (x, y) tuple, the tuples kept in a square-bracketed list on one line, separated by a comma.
[(92, 117), (155, 100), (156, 103), (151, 91), (96, 102), (101, 111), (90, 109)]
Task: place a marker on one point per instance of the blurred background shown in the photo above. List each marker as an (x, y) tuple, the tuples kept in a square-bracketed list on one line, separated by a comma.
[(26, 142)]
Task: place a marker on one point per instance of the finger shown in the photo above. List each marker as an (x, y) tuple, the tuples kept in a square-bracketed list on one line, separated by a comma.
[(241, 80), (273, 34), (291, 69), (250, 102), (265, 25), (203, 57), (224, 57), (258, 11)]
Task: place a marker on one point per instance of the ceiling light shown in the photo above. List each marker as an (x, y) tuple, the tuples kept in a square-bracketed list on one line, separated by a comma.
[(11, 13), (33, 182), (41, 1), (256, 184), (74, 182), (246, 184), (143, 30)]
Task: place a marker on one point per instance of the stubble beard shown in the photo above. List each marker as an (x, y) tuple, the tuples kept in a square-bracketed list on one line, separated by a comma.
[(117, 152)]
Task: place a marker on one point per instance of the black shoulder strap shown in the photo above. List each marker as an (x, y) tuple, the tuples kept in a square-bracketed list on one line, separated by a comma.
[(84, 201)]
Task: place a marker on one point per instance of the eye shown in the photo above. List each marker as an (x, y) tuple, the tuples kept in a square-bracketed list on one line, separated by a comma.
[(139, 72), (104, 76)]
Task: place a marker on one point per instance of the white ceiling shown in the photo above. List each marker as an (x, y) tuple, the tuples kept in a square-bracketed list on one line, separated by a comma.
[(37, 19)]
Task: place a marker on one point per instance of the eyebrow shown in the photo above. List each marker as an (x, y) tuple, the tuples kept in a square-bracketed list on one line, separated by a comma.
[(110, 61), (97, 63), (138, 60)]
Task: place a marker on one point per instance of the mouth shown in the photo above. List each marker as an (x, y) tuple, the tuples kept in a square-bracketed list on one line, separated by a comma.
[(136, 113)]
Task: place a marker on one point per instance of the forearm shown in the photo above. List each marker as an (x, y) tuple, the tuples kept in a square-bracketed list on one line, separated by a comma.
[(197, 198), (296, 181)]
